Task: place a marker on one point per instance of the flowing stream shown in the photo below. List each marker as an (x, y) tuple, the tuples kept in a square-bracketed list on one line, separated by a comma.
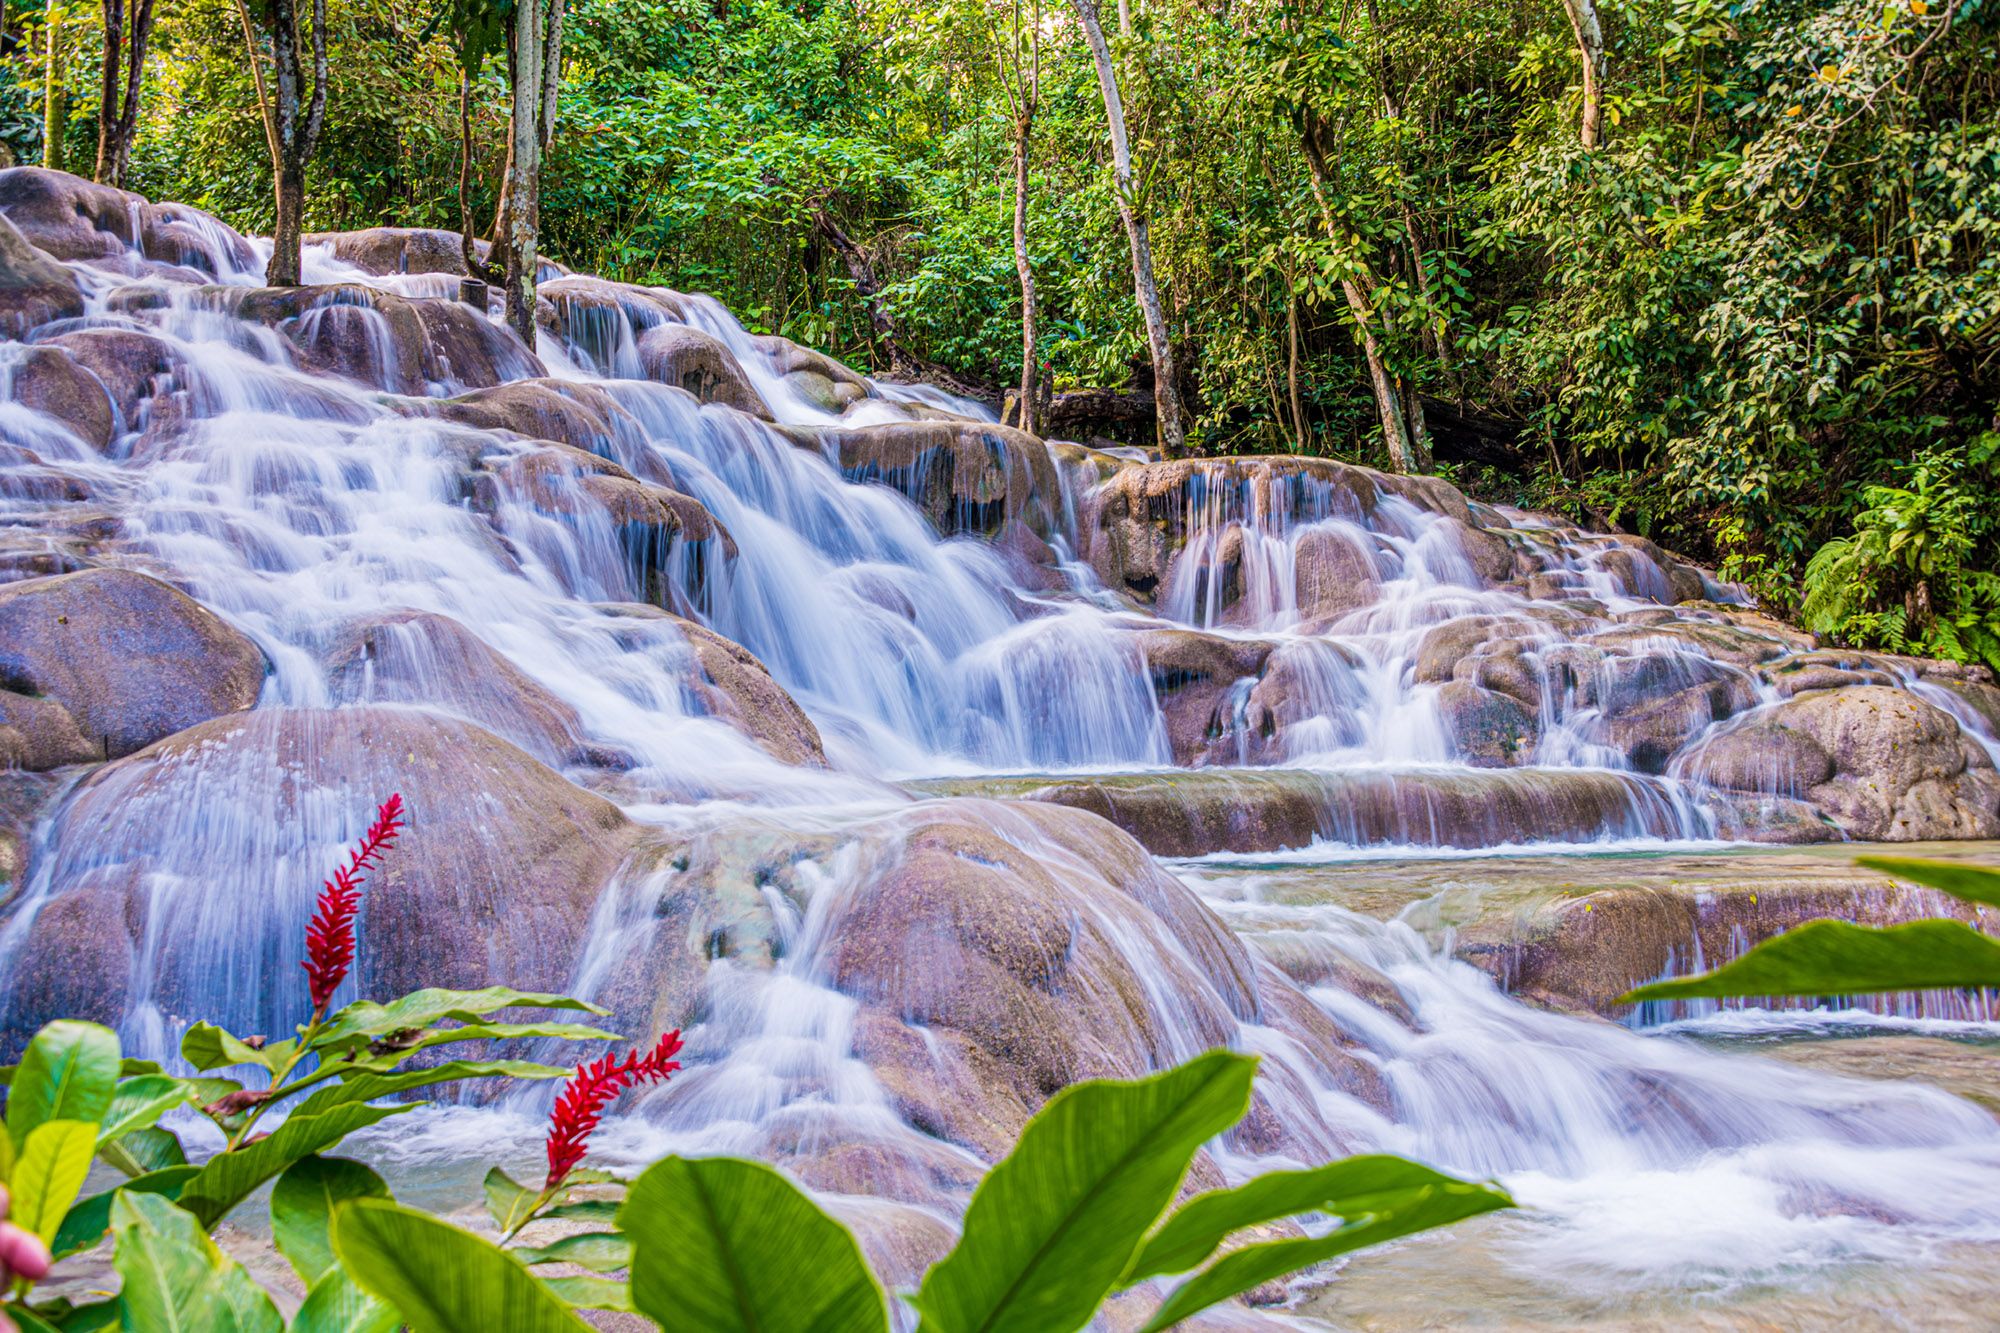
[(1660, 1174)]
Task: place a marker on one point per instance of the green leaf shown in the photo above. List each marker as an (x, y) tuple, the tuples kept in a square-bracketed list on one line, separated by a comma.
[(731, 1246), (1836, 958), (1974, 884), (28, 1321), (365, 1019), (228, 1178), (174, 1280), (599, 1251), (206, 1046), (398, 1051), (48, 1174), (439, 1278), (88, 1219), (138, 1103), (1397, 1213), (1052, 1227), (367, 1087), (592, 1293), (508, 1202), (585, 1210), (144, 1151), (302, 1205), (67, 1073), (1347, 1188), (338, 1304)]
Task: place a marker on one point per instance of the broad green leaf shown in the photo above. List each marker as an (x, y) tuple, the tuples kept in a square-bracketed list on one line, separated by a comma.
[(1052, 1227), (1416, 1210), (302, 1205), (508, 1202), (587, 1210), (338, 1304), (365, 1019), (731, 1246), (485, 1032), (1347, 1188), (367, 1087), (228, 1178), (138, 1103), (174, 1280), (88, 1219), (592, 1293), (1974, 884), (1836, 958), (68, 1072), (442, 1279), (206, 1046), (144, 1151), (48, 1174), (599, 1251), (27, 1320)]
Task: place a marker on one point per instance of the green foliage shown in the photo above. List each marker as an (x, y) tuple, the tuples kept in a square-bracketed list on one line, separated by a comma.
[(174, 1280), (719, 1244), (440, 1278)]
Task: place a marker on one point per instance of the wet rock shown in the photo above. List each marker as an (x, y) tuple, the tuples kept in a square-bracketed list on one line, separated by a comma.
[(1655, 704), (23, 797), (966, 476), (816, 377), (1489, 730), (72, 218), (130, 658), (1336, 573), (1763, 754), (1307, 700), (76, 961), (387, 341), (1900, 766), (34, 289), (493, 881), (418, 657), (734, 686), (1488, 553), (1196, 676), (49, 380), (698, 362), (38, 734), (579, 415), (386, 250), (130, 366)]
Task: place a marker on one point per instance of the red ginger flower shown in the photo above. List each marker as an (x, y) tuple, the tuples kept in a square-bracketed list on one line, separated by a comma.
[(589, 1090), (330, 934)]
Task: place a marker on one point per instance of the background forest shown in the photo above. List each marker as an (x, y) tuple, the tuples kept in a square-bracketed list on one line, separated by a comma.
[(1726, 275)]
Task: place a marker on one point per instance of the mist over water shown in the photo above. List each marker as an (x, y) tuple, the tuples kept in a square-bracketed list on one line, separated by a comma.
[(327, 514)]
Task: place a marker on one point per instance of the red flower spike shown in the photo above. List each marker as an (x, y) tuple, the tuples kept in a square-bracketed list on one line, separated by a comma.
[(330, 934), (589, 1090)]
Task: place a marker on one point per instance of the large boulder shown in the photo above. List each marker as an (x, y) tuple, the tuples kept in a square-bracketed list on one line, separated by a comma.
[(129, 366), (34, 289), (387, 250), (52, 382), (729, 681), (191, 868), (385, 341), (688, 358), (966, 476), (1195, 678), (129, 658), (816, 377), (582, 416), (72, 218), (1489, 729), (1902, 768)]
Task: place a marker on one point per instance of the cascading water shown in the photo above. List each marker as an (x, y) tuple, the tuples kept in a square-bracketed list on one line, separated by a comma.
[(432, 533)]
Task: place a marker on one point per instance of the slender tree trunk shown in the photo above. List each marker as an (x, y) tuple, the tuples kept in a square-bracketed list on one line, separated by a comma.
[(1166, 393), (135, 74), (113, 68), (1030, 364), (474, 265), (1292, 389), (292, 126), (1590, 44), (55, 100), (524, 169)]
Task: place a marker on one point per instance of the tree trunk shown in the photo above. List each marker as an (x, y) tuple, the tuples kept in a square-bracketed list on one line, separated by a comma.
[(292, 127), (113, 68), (1030, 366), (55, 101), (862, 273), (474, 265), (1292, 389), (124, 69), (1166, 394), (522, 208), (283, 270), (1590, 44)]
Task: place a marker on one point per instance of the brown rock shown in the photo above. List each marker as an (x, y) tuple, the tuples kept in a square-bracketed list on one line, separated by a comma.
[(129, 365), (1490, 730), (130, 658), (34, 289), (698, 362), (47, 379)]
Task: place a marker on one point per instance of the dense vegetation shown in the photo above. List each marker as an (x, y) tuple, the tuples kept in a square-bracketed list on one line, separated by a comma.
[(1738, 289)]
